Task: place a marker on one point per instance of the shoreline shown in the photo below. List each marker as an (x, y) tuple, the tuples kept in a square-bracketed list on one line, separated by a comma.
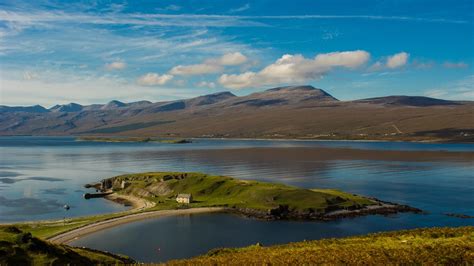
[(384, 209), (138, 213), (138, 204), (69, 236), (427, 141), (282, 213)]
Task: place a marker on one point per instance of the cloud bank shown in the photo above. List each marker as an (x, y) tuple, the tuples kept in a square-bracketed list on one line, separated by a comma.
[(397, 60), (117, 65), (152, 79), (295, 69)]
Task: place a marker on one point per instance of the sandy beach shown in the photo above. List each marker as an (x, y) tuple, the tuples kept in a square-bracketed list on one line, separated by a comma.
[(137, 203), (91, 228)]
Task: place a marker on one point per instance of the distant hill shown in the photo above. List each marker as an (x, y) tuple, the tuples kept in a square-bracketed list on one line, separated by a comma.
[(113, 105), (408, 101), (25, 109), (67, 108), (283, 112)]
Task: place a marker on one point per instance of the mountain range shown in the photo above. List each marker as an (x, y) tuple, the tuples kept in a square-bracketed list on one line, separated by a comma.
[(284, 112)]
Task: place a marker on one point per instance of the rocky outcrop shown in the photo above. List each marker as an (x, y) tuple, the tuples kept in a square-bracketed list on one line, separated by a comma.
[(282, 212)]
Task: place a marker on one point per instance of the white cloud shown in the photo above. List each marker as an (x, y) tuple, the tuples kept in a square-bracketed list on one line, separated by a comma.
[(240, 9), (117, 65), (213, 65), (197, 69), (295, 69), (206, 84), (462, 90), (455, 65), (397, 60), (231, 59), (391, 62), (152, 79), (173, 8)]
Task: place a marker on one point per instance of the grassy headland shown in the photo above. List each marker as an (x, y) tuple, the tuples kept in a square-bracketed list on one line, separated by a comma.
[(132, 139), (433, 246), (21, 248), (252, 198)]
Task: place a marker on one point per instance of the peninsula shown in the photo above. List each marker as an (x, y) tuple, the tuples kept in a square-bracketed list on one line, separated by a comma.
[(251, 198), (154, 194)]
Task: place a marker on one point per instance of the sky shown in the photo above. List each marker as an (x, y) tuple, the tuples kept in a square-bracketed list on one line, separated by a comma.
[(56, 52)]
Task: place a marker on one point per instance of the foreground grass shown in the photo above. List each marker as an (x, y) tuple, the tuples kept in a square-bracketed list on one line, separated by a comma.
[(448, 246), (20, 248)]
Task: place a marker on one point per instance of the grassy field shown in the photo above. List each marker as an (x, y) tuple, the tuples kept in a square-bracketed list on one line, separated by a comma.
[(223, 191), (20, 248), (434, 246)]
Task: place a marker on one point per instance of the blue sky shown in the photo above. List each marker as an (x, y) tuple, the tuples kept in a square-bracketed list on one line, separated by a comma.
[(95, 51)]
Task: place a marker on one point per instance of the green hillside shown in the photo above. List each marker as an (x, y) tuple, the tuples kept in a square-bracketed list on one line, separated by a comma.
[(435, 246), (260, 199), (20, 248)]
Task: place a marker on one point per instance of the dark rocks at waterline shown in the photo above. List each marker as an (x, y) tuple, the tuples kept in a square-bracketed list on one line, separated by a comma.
[(282, 212), (460, 215), (96, 195), (96, 186)]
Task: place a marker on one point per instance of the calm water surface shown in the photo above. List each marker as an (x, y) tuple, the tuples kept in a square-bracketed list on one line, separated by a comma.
[(38, 175)]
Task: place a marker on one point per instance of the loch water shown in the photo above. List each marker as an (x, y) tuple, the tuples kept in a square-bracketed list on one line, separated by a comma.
[(38, 175)]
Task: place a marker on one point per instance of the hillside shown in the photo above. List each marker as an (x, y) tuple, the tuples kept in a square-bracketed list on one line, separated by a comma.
[(252, 198), (20, 248), (434, 246), (286, 112)]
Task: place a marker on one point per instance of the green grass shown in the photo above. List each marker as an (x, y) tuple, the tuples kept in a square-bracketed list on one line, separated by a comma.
[(47, 229), (213, 191), (434, 246), (20, 248)]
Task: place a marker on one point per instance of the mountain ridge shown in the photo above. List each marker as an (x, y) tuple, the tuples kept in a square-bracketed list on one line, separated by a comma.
[(283, 93), (283, 112)]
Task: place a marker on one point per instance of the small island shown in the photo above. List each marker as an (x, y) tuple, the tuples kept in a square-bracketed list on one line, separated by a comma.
[(132, 139)]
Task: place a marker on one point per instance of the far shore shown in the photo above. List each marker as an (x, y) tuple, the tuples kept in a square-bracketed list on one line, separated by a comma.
[(412, 140)]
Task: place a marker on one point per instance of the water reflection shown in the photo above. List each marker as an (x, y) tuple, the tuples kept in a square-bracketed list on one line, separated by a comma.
[(48, 169), (166, 238)]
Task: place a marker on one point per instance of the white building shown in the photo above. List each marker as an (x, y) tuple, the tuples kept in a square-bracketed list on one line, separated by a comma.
[(184, 198)]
